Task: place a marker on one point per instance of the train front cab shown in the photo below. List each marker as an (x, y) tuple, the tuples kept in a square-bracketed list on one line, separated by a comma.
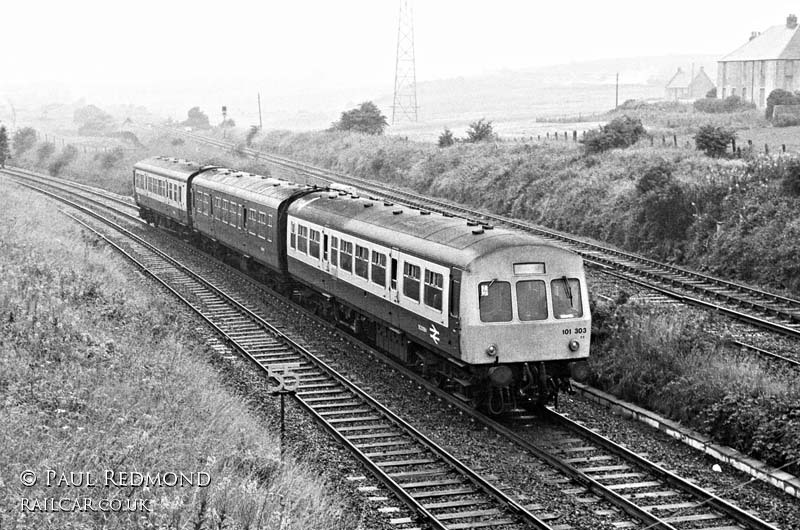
[(525, 309)]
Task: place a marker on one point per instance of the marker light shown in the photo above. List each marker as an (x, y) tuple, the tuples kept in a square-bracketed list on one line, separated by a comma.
[(491, 351), (574, 345)]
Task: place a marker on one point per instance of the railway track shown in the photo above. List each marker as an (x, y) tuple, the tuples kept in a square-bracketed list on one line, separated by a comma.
[(441, 490), (444, 491), (760, 308)]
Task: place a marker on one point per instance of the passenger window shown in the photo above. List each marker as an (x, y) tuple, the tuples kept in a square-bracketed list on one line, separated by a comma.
[(346, 256), (411, 280), (379, 268), (566, 298), (302, 239), (313, 244), (293, 237), (433, 289), (494, 300), (362, 262), (531, 300), (334, 251)]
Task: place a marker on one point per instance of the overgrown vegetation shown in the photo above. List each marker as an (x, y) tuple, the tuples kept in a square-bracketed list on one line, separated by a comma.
[(780, 96), (619, 132), (366, 118), (24, 140), (730, 104), (97, 371), (714, 140), (197, 119), (446, 139), (68, 154), (4, 150), (667, 361), (93, 121)]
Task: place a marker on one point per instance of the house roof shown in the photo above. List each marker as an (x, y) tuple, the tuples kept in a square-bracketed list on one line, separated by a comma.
[(777, 42), (679, 80)]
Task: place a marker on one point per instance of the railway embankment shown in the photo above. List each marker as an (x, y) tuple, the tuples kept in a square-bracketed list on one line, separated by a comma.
[(99, 372)]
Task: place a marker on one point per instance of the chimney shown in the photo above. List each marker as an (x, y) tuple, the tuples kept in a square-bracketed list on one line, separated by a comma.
[(755, 34), (791, 21)]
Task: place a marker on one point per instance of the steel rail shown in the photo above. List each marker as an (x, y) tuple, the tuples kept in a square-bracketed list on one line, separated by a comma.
[(396, 488)]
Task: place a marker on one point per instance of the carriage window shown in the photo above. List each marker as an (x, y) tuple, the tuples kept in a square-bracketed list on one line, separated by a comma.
[(292, 238), (302, 239), (411, 280), (180, 194), (362, 262), (531, 300), (225, 211), (346, 249), (313, 243), (379, 268), (255, 219), (566, 298), (334, 251), (433, 289), (494, 299)]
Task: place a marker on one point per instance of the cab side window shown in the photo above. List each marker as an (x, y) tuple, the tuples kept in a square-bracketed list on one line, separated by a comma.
[(494, 300)]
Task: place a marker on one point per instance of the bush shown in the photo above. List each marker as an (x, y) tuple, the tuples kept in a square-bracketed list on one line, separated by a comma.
[(177, 141), (480, 131), (111, 158), (68, 154), (713, 140), (44, 152), (366, 118), (619, 132), (718, 106), (791, 178), (250, 135), (712, 93), (446, 138), (24, 140), (780, 97)]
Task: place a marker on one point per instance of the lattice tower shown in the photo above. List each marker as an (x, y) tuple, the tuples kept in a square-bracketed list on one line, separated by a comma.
[(405, 76)]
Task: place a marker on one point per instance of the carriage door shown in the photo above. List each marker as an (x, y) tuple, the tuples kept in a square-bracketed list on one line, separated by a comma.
[(393, 254), (326, 263)]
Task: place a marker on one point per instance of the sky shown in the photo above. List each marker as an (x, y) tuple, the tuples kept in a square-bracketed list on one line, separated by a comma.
[(315, 45)]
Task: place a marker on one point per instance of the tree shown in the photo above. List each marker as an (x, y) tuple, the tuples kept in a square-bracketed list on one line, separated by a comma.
[(24, 140), (251, 134), (480, 131), (366, 118), (714, 140), (92, 121), (446, 138), (712, 93), (4, 152), (197, 119), (780, 97)]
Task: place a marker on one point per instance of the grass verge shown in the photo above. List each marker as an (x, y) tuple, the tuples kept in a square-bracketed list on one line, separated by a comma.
[(99, 371)]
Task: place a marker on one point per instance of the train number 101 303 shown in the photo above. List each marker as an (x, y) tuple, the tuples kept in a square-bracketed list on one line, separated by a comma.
[(576, 331)]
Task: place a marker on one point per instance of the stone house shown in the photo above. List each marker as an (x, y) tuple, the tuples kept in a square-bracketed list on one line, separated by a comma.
[(769, 60), (682, 86)]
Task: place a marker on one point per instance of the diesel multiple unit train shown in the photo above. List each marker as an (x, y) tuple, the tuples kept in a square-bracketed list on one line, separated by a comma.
[(500, 317)]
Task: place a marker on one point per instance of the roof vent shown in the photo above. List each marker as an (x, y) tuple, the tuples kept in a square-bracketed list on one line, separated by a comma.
[(367, 205), (332, 196), (488, 227), (472, 223), (448, 214), (276, 184), (477, 231), (397, 212), (424, 212), (387, 203), (754, 34), (791, 21)]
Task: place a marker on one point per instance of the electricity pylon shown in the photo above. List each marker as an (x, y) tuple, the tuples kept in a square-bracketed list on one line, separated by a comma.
[(405, 76)]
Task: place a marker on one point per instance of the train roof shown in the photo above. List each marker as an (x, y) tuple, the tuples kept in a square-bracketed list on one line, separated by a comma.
[(176, 168), (449, 240), (256, 188)]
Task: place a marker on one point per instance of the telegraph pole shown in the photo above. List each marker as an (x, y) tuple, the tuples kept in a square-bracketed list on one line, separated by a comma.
[(404, 104), (260, 123)]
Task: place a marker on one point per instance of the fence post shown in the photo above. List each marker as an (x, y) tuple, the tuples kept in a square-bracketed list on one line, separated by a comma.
[(766, 149), (783, 147), (739, 152), (663, 140), (675, 140), (548, 135), (651, 141), (538, 136), (574, 136), (733, 143)]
